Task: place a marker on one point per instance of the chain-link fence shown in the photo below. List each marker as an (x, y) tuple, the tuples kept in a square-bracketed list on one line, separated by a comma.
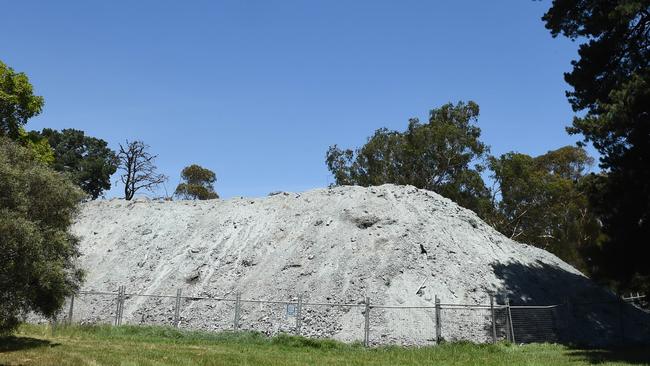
[(475, 323), (91, 308), (369, 323), (402, 325)]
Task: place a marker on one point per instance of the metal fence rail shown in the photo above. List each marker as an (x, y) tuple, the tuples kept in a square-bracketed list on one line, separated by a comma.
[(364, 322)]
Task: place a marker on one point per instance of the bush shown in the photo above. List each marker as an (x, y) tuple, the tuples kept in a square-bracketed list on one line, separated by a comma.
[(37, 265)]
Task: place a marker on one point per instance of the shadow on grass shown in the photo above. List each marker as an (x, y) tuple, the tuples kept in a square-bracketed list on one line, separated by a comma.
[(633, 356), (11, 343)]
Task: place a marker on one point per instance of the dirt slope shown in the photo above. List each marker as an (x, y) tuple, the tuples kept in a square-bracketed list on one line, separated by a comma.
[(397, 245)]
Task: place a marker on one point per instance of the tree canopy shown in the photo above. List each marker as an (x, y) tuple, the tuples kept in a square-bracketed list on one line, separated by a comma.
[(37, 265), (18, 104), (198, 183), (444, 155), (17, 101), (87, 160), (541, 202), (611, 87)]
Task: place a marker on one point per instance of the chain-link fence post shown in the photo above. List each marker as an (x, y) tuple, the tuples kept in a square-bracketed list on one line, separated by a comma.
[(177, 308), (122, 303), (568, 321), (494, 321), (121, 296), (299, 315), (511, 330), (118, 306), (366, 328), (71, 310), (438, 325), (237, 310)]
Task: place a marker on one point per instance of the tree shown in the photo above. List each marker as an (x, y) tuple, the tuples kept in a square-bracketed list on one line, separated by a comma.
[(87, 160), (18, 104), (542, 202), (611, 89), (37, 144), (38, 263), (198, 183), (139, 171), (17, 101), (444, 155)]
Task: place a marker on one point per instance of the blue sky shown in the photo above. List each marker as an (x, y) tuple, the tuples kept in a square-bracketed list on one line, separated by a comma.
[(258, 90)]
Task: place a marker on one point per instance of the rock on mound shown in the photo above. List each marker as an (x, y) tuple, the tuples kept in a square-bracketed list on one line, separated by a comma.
[(397, 245)]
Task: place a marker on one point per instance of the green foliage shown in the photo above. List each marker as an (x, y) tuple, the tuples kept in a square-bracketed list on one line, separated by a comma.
[(37, 204), (444, 155), (86, 160), (198, 183), (542, 202), (611, 84), (17, 101), (37, 144), (18, 104)]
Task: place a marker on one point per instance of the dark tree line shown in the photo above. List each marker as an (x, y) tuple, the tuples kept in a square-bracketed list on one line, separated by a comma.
[(87, 160), (536, 200), (610, 84), (444, 155)]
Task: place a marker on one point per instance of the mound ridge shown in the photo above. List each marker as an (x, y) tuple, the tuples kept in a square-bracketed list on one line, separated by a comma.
[(397, 245)]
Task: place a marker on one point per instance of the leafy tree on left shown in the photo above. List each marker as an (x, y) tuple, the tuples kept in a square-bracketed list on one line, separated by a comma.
[(17, 101), (37, 265), (17, 105), (87, 160)]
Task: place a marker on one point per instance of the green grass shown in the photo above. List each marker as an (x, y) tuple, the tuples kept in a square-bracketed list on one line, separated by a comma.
[(129, 345)]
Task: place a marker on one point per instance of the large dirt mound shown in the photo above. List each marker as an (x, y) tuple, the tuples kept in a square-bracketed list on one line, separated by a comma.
[(397, 245)]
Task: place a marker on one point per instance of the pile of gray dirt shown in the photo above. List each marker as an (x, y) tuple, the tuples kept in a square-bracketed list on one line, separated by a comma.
[(397, 245)]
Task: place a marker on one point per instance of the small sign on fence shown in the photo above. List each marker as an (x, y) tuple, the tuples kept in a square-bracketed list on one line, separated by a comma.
[(291, 309)]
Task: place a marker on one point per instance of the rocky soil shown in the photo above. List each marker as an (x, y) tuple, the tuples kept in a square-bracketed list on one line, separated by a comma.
[(396, 245)]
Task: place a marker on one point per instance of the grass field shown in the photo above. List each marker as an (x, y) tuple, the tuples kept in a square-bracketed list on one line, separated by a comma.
[(129, 345)]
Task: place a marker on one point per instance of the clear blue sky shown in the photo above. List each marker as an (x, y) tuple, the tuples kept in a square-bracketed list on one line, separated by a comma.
[(257, 90)]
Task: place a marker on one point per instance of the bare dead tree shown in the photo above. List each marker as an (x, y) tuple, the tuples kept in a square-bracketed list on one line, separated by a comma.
[(138, 168)]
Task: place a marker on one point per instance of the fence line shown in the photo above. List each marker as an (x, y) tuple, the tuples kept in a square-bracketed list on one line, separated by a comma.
[(361, 322)]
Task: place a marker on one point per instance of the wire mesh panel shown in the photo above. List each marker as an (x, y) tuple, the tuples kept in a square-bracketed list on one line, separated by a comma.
[(465, 323), (269, 318), (501, 324), (207, 314), (535, 324), (148, 310), (341, 322), (599, 318), (608, 322), (415, 326), (94, 308)]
